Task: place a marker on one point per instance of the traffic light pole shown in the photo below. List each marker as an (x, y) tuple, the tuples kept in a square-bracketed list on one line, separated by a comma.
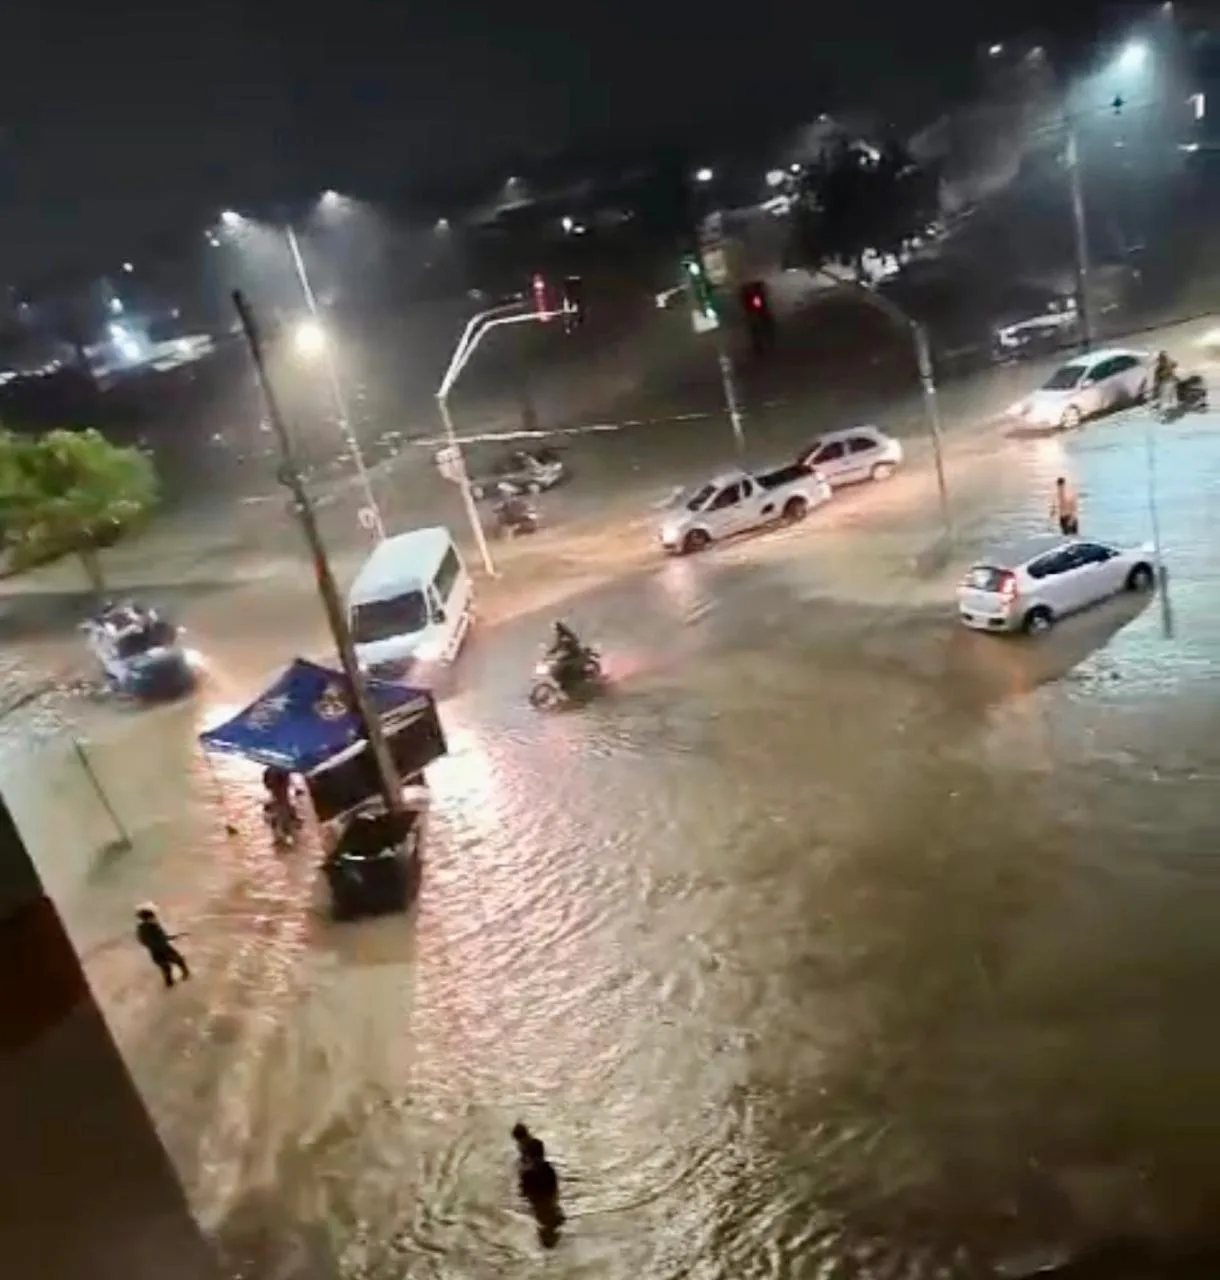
[(328, 591), (728, 381), (476, 329)]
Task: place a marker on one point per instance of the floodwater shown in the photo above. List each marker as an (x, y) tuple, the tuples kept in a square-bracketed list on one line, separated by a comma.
[(832, 941)]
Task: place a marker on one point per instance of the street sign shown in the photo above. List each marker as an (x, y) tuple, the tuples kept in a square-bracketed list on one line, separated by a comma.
[(704, 321), (449, 463)]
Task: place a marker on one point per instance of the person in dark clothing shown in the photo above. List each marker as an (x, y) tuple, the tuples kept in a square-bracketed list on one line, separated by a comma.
[(151, 935), (539, 1185)]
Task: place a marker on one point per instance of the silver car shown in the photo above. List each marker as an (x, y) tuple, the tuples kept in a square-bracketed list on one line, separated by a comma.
[(1031, 586), (853, 455)]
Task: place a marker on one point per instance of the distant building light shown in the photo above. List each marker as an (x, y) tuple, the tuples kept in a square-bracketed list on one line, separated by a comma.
[(568, 225), (116, 306), (704, 175), (775, 177), (995, 51), (127, 266)]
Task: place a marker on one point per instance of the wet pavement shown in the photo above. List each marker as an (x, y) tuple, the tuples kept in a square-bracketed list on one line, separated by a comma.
[(834, 940)]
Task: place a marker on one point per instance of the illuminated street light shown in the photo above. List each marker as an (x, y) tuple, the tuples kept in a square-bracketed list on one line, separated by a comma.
[(310, 338), (776, 177), (230, 218), (995, 51), (567, 225), (442, 225), (1133, 56), (704, 175), (128, 267)]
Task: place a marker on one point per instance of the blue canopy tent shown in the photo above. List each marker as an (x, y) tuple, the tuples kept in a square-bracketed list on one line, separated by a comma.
[(306, 719)]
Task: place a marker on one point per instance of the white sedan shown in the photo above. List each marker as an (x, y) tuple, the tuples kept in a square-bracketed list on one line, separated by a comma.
[(853, 455), (1031, 586), (1087, 385)]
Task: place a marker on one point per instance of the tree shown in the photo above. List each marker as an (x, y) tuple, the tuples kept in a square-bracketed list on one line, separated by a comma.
[(856, 199), (71, 493)]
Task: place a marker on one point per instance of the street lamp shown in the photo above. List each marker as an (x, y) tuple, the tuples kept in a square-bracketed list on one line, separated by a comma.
[(319, 346), (231, 218), (310, 338), (704, 175), (1133, 57)]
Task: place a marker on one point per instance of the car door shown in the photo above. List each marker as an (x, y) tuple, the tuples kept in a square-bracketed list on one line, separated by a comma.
[(1102, 571), (1130, 375), (862, 452), (1053, 574), (1074, 580), (726, 511), (1099, 393), (831, 460)]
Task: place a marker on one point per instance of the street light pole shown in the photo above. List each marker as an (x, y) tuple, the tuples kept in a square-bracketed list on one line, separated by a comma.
[(927, 383), (328, 591), (1084, 303), (477, 327), (336, 388)]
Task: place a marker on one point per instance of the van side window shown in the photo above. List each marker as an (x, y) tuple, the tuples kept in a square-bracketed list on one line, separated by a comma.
[(447, 575)]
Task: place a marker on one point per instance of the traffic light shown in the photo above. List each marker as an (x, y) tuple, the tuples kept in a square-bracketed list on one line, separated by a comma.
[(756, 304), (701, 292), (573, 303), (544, 304)]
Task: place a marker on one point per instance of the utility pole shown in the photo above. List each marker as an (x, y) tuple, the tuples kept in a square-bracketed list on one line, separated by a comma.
[(927, 383), (328, 591), (1081, 232)]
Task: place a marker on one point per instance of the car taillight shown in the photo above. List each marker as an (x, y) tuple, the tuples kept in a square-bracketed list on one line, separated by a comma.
[(1008, 586)]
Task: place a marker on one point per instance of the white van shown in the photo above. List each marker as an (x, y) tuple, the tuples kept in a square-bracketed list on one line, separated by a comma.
[(411, 603)]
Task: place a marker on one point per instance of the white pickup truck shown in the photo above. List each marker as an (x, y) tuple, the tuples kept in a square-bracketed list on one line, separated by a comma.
[(739, 501)]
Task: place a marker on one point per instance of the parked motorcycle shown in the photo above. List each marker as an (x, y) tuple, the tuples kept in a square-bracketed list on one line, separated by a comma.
[(552, 686)]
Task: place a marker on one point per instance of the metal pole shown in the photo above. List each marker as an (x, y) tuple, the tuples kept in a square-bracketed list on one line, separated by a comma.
[(1080, 228), (1162, 576), (927, 380), (336, 388), (328, 591), (729, 383), (472, 507)]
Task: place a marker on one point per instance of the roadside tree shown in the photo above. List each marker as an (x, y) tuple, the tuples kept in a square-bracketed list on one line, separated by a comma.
[(71, 493)]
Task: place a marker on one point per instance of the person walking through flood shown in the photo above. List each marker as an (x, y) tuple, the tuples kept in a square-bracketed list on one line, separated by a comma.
[(1065, 508), (539, 1185), (151, 935)]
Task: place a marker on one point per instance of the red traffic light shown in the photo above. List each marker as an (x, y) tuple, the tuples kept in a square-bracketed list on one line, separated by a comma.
[(542, 296), (756, 301)]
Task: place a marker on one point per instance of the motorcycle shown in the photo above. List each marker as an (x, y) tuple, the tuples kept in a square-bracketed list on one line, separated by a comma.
[(515, 515), (1183, 395), (550, 690)]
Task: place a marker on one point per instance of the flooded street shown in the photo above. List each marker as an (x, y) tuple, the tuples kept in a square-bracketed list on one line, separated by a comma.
[(833, 940)]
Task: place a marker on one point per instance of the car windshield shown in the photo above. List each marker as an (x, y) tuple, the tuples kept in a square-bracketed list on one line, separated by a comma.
[(403, 615), (700, 498), (1065, 378)]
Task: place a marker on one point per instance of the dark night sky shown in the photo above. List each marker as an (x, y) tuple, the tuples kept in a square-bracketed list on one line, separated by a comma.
[(122, 120)]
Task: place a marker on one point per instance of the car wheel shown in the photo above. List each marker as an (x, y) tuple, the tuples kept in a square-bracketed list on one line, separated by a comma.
[(795, 509), (883, 471), (696, 540), (1140, 578), (1038, 621), (1071, 418)]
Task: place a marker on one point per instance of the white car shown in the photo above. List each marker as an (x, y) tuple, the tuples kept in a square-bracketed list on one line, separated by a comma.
[(853, 455), (1086, 386), (739, 501), (1031, 586)]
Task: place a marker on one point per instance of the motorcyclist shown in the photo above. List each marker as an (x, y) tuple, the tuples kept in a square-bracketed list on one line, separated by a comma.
[(566, 654)]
